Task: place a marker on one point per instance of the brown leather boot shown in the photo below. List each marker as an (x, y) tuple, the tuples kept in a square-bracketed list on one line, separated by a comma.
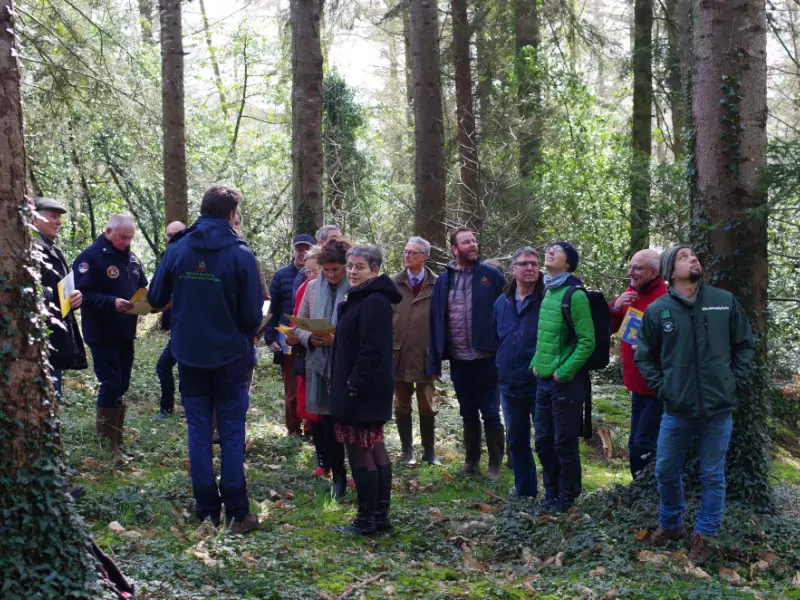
[(107, 426), (661, 536), (699, 550)]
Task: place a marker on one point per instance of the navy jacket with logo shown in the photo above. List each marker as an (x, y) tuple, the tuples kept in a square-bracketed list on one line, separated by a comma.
[(103, 274), (213, 280)]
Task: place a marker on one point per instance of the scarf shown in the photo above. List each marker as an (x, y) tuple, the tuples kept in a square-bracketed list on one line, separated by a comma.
[(685, 299), (319, 361), (551, 283)]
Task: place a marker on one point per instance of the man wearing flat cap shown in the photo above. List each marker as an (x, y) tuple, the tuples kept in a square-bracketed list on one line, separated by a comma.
[(282, 303), (66, 343)]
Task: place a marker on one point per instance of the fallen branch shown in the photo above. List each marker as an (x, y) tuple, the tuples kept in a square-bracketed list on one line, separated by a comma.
[(361, 584), (495, 496)]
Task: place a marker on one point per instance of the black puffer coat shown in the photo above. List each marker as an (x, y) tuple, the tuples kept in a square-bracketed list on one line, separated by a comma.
[(68, 351), (362, 384)]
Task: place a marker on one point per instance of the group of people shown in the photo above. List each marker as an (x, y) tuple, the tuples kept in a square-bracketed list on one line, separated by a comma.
[(521, 346)]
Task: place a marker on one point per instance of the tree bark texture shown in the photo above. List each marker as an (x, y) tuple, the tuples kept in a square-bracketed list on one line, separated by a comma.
[(429, 170), (642, 124), (729, 110), (409, 77), (529, 94), (465, 115), (307, 157), (674, 76), (39, 527), (176, 192)]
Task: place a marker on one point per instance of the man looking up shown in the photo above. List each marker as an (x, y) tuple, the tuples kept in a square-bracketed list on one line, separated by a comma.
[(107, 273), (281, 304), (646, 286), (167, 361), (324, 233), (67, 350), (212, 278), (461, 331), (561, 380), (695, 351)]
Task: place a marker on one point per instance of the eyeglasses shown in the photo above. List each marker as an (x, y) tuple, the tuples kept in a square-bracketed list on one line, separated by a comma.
[(412, 252), (356, 267), (555, 250), (526, 263)]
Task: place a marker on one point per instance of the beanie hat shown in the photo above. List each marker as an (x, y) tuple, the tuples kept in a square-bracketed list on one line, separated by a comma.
[(667, 261), (572, 254)]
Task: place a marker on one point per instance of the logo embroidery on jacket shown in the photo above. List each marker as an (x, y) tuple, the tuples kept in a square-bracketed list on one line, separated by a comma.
[(716, 308), (83, 268), (201, 268), (112, 272), (668, 326), (484, 280)]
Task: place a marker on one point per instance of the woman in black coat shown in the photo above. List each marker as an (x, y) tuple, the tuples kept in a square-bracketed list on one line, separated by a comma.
[(362, 384)]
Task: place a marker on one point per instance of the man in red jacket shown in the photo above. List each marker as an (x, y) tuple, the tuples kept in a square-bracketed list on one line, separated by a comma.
[(646, 285)]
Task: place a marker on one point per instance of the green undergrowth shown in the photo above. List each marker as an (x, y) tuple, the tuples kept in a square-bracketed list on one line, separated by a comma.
[(454, 536)]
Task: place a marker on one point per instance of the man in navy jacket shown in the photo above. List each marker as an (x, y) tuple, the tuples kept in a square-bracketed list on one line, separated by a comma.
[(281, 304), (108, 274), (516, 325), (461, 332), (213, 280)]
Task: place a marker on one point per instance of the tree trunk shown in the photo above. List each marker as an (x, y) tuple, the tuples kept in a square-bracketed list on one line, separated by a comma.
[(642, 125), (176, 193), (729, 109), (465, 115), (39, 526), (529, 94), (307, 158), (674, 77), (429, 171), (409, 81)]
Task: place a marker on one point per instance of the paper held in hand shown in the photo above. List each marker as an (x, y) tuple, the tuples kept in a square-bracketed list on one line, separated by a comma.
[(312, 325), (65, 288), (140, 304), (630, 326), (265, 317)]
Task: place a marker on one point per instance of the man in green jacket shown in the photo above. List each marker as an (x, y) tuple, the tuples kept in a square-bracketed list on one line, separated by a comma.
[(695, 350), (561, 380)]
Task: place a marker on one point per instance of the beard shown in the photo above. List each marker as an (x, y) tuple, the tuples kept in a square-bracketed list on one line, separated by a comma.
[(695, 276)]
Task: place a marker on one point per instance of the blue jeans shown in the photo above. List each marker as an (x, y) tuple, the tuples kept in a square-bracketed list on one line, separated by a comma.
[(113, 362), (713, 435), (559, 412), (224, 389), (165, 378), (519, 412), (57, 375), (645, 424), (475, 382)]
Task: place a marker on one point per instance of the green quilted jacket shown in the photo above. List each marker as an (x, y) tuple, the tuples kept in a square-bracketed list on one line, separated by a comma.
[(557, 349)]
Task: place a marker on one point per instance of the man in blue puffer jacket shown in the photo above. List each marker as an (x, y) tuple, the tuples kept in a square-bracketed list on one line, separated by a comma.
[(213, 280), (516, 324)]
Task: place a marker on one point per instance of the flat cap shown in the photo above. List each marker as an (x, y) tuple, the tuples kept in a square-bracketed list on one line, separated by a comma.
[(49, 204)]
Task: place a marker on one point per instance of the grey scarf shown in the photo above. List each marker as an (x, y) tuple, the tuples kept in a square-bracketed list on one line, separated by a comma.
[(551, 283), (319, 360)]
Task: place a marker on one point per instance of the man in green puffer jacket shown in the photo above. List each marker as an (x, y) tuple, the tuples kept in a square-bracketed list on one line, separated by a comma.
[(695, 350), (561, 380)]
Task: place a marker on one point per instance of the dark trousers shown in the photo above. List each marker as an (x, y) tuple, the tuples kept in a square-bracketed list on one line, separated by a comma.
[(294, 424), (559, 409), (224, 390), (645, 424), (113, 362), (164, 367), (519, 413), (475, 382), (57, 376)]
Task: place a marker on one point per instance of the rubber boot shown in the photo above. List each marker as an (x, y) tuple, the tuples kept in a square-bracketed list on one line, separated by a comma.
[(496, 446), (340, 484), (106, 426), (427, 428), (404, 430), (320, 445), (367, 498), (384, 498), (472, 446)]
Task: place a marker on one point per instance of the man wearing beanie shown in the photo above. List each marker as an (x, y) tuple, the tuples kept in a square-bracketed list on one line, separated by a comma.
[(562, 382), (695, 350), (646, 285)]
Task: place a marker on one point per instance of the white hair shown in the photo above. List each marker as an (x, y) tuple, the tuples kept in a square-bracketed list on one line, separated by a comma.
[(118, 220), (422, 243)]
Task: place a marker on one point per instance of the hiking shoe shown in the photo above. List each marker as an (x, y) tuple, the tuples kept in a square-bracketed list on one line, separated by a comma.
[(249, 523), (321, 472), (661, 536), (163, 415), (699, 550)]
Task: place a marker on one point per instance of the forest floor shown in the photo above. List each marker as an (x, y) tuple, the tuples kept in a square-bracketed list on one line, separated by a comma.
[(454, 536)]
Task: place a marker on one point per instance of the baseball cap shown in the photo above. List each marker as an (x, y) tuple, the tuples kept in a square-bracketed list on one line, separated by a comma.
[(303, 238)]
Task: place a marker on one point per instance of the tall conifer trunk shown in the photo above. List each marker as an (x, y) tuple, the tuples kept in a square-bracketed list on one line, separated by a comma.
[(642, 124)]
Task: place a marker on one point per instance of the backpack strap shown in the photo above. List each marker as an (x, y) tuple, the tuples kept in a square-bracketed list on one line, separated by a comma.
[(566, 311)]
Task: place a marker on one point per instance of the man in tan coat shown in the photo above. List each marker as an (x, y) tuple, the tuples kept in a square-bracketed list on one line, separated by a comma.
[(415, 283)]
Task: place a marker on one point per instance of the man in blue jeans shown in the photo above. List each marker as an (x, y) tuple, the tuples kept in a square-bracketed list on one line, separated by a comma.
[(695, 350), (516, 324), (461, 331), (166, 362), (213, 280)]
